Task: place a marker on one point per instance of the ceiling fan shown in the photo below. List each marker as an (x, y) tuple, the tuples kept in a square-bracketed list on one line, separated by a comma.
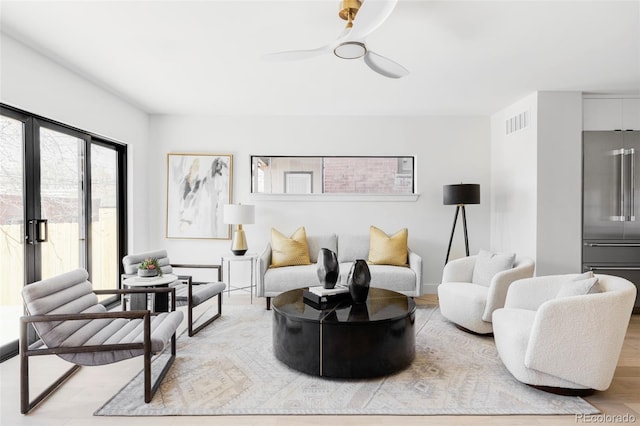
[(363, 18)]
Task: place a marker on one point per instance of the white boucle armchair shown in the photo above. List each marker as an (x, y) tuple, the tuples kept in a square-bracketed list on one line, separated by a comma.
[(470, 305), (568, 345)]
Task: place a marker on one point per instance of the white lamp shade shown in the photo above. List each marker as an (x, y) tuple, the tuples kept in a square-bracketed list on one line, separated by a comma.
[(238, 214)]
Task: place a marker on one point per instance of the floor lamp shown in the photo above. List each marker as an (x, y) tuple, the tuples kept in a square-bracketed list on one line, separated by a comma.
[(460, 195)]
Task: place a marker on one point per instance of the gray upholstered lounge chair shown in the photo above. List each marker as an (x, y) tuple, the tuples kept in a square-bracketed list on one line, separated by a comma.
[(70, 323), (193, 293)]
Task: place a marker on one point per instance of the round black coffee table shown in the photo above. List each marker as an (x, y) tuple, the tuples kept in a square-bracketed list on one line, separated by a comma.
[(345, 340)]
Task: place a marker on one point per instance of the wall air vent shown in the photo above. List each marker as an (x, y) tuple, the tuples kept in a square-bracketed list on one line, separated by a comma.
[(517, 122)]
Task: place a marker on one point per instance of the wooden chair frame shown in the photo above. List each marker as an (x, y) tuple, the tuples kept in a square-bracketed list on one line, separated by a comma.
[(189, 281), (150, 388)]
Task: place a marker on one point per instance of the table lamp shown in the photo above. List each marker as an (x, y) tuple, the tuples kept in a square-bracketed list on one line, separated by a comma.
[(460, 195), (238, 214)]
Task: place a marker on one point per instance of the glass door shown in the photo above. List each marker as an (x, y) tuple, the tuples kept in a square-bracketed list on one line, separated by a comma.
[(12, 228), (59, 227), (105, 207)]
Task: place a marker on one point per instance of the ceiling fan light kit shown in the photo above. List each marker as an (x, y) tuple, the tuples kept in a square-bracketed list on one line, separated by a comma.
[(363, 18)]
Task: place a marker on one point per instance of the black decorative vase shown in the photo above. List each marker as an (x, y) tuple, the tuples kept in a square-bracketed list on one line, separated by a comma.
[(358, 280), (328, 268)]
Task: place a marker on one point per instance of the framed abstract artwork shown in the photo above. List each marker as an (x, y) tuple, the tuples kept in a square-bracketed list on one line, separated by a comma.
[(198, 186)]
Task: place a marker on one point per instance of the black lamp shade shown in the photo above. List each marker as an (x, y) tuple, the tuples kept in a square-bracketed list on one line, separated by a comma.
[(464, 193)]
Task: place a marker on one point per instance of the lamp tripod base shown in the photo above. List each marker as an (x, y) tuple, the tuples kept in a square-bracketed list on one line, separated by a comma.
[(453, 230)]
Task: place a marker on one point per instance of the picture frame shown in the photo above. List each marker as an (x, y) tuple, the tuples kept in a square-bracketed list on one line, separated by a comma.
[(198, 187)]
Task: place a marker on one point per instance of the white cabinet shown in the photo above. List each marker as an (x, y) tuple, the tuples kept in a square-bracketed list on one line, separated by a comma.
[(611, 113), (631, 114)]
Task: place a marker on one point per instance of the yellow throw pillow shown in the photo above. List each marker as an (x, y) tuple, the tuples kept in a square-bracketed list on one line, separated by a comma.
[(289, 251), (388, 250)]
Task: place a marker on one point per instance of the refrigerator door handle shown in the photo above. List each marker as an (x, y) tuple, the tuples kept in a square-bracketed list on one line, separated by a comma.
[(632, 184), (622, 186), (612, 244), (620, 216), (614, 268)]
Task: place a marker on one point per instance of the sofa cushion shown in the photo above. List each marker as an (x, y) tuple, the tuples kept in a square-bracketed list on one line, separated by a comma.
[(388, 250), (579, 287), (290, 277), (352, 247), (583, 276), (289, 251), (488, 264), (317, 242), (392, 278)]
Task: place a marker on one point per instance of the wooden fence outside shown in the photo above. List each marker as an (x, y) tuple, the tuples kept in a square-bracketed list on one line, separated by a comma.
[(60, 254)]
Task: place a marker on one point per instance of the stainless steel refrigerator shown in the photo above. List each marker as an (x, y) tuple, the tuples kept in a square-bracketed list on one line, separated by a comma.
[(611, 204)]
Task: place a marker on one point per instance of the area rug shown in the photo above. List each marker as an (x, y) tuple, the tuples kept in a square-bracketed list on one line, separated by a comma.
[(229, 369)]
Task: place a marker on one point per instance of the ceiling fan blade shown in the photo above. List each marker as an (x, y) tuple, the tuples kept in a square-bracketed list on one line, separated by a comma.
[(384, 66), (295, 55), (371, 15)]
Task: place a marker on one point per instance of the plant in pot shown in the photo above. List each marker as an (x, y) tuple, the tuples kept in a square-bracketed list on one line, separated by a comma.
[(149, 268)]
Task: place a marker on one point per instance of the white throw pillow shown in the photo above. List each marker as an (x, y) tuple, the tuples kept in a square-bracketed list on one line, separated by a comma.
[(583, 276), (579, 287), (488, 264)]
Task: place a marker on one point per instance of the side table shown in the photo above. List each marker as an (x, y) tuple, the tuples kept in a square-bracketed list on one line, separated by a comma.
[(226, 266), (160, 300)]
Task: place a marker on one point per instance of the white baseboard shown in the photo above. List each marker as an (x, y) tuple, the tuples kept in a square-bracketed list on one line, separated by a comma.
[(430, 288)]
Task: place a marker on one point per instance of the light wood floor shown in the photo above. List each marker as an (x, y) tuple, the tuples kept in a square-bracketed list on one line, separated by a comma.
[(74, 403)]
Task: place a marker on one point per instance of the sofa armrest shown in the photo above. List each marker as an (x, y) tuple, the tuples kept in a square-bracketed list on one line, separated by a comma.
[(415, 263), (263, 264), (459, 270), (500, 285), (579, 338)]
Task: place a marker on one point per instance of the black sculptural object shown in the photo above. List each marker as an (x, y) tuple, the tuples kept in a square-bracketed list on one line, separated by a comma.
[(328, 268), (358, 312), (358, 280)]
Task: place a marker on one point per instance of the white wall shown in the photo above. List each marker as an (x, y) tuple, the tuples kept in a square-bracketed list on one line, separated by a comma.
[(559, 240), (536, 178), (448, 150), (514, 185), (34, 83)]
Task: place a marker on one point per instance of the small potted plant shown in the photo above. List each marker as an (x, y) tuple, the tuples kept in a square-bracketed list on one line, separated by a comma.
[(149, 268)]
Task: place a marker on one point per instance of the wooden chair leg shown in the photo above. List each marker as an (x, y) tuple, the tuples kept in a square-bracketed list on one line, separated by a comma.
[(150, 387), (193, 331), (25, 404)]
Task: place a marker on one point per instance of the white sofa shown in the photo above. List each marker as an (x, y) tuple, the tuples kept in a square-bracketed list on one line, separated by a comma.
[(567, 345), (470, 305), (273, 281)]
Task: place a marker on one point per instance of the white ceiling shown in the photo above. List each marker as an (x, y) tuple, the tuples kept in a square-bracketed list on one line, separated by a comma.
[(203, 57)]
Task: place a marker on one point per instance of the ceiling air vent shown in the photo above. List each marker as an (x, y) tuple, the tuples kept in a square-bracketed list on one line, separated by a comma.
[(517, 122)]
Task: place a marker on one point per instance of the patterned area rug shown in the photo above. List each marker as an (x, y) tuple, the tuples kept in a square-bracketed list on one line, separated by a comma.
[(229, 369)]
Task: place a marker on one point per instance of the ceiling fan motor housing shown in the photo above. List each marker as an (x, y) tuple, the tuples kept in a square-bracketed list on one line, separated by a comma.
[(348, 10)]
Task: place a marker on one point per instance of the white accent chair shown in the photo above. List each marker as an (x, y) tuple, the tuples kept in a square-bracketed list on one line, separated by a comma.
[(567, 345), (470, 305)]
